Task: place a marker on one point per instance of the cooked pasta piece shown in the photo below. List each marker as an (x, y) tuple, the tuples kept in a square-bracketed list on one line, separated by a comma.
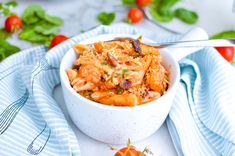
[(80, 48), (120, 100), (122, 72), (72, 74)]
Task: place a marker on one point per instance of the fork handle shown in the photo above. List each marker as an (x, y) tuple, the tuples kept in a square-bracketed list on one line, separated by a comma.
[(196, 43)]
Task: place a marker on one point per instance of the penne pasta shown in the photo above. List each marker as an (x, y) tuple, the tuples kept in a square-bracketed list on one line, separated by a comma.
[(122, 72)]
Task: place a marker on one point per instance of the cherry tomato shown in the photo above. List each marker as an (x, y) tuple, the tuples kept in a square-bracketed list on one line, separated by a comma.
[(142, 3), (126, 152), (135, 15), (13, 23), (57, 40), (227, 52)]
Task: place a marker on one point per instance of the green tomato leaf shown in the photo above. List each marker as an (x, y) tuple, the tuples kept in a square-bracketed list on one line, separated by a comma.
[(224, 34), (128, 2), (30, 14), (106, 18), (187, 16), (4, 34), (7, 49)]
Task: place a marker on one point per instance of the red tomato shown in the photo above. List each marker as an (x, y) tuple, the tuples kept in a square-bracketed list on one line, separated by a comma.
[(126, 152), (57, 40), (13, 23), (142, 3), (135, 15), (227, 52)]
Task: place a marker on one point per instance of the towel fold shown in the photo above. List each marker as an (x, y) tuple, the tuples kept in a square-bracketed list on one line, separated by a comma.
[(202, 118)]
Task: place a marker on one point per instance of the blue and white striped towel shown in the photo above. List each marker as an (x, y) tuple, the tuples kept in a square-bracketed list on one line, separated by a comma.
[(201, 121)]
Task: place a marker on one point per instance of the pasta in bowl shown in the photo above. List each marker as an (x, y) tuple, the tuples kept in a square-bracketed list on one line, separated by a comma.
[(122, 72), (102, 117)]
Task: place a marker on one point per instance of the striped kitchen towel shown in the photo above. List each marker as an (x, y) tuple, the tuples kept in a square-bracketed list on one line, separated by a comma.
[(201, 121), (202, 118)]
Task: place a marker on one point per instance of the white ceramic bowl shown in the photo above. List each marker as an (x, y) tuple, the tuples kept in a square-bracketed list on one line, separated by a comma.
[(113, 124)]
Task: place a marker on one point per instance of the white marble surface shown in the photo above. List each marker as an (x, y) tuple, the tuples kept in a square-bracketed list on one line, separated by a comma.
[(79, 15)]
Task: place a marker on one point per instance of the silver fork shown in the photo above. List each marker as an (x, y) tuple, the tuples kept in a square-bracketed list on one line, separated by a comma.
[(194, 43)]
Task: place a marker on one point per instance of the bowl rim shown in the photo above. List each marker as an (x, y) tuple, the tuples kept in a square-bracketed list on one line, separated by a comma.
[(64, 77)]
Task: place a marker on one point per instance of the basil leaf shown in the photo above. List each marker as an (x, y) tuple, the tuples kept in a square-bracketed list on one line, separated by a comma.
[(187, 16), (6, 12), (12, 3), (34, 37), (165, 7), (161, 10), (158, 17), (46, 29), (5, 8), (106, 18), (53, 20), (224, 34), (2, 54), (128, 2), (40, 14), (30, 15), (29, 34), (4, 34), (39, 26), (7, 49), (50, 19)]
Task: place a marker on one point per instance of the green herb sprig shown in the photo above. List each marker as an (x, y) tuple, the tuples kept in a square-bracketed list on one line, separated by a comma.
[(106, 18), (39, 27), (162, 10)]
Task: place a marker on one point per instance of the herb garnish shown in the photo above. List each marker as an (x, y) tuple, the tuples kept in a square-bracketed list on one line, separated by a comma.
[(106, 18)]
